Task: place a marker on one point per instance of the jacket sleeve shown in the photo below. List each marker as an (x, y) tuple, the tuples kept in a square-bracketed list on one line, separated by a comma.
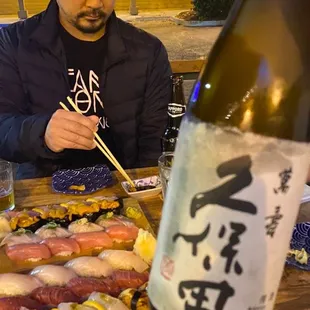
[(154, 115), (21, 134)]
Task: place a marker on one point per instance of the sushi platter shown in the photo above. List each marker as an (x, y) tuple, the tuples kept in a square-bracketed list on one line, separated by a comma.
[(90, 255), (59, 233)]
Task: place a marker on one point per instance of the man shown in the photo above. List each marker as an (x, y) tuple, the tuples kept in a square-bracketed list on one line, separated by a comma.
[(116, 74)]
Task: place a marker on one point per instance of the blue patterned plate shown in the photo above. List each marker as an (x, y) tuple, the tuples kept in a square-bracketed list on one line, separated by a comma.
[(92, 178), (300, 240)]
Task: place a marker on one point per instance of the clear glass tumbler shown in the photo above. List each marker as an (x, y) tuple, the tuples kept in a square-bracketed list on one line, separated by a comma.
[(6, 186), (165, 164)]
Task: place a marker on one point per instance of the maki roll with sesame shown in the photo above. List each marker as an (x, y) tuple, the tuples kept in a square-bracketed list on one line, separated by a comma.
[(29, 220)]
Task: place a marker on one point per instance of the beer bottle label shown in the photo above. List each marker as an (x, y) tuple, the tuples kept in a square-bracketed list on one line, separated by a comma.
[(176, 110), (228, 217)]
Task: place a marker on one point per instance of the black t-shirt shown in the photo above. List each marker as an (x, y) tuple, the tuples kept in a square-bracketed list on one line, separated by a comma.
[(85, 62)]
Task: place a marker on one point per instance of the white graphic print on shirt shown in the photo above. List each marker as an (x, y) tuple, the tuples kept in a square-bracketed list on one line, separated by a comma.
[(87, 95)]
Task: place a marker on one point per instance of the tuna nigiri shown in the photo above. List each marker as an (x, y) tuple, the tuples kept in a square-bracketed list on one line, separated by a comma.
[(20, 236), (124, 260), (93, 240), (28, 252), (52, 230), (18, 303), (83, 287), (53, 275), (13, 284), (129, 279), (83, 225), (62, 246), (53, 295), (90, 267), (122, 233)]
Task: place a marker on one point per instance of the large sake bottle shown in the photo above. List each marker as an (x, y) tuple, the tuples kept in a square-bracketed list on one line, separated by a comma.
[(240, 165)]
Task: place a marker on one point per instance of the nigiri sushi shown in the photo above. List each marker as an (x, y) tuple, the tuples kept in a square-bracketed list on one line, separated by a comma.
[(28, 252), (53, 275), (121, 233), (29, 220), (19, 303), (52, 230), (14, 284), (83, 287), (62, 246), (145, 246), (20, 236), (5, 227), (53, 296), (86, 266), (124, 260), (82, 226), (109, 302), (129, 279), (93, 240), (109, 219)]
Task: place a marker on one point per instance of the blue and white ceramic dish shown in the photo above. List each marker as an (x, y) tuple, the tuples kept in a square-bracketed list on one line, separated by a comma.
[(300, 240), (93, 178), (153, 181)]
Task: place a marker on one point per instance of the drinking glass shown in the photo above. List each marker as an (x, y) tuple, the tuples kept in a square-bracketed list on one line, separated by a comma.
[(6, 186), (165, 164)]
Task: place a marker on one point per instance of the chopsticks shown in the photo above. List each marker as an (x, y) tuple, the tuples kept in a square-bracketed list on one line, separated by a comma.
[(101, 145)]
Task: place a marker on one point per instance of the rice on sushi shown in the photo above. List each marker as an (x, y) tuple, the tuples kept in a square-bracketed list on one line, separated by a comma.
[(53, 275), (87, 266)]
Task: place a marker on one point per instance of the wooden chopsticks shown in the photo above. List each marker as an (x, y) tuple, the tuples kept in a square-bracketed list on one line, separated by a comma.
[(101, 145)]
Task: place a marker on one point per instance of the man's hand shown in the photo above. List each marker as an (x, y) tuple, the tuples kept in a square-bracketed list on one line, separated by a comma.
[(70, 130)]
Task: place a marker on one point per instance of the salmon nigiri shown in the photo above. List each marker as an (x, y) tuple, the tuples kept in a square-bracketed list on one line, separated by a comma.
[(93, 240), (62, 246), (28, 252)]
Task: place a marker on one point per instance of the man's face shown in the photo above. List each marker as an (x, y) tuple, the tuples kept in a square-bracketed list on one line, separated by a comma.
[(88, 16)]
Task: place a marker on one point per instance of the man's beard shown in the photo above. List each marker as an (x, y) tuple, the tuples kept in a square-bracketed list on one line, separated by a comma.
[(90, 26)]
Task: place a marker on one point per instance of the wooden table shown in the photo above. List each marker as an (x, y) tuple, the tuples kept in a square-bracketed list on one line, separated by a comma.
[(294, 293)]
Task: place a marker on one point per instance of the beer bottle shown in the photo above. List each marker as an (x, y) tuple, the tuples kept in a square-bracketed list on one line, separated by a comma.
[(176, 110), (240, 165)]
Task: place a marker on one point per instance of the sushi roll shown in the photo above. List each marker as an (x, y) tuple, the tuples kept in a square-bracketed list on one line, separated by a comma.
[(135, 299), (52, 230), (86, 266), (20, 236), (82, 226), (79, 210), (14, 284), (53, 275), (5, 227), (124, 260), (29, 220), (54, 213), (108, 302), (107, 204)]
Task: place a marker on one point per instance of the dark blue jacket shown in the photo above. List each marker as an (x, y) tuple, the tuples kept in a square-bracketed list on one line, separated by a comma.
[(135, 86)]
